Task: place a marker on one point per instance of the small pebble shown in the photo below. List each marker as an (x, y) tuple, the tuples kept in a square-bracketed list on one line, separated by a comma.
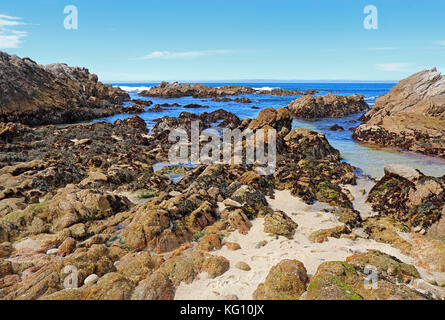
[(243, 266), (261, 244), (52, 251), (91, 279), (232, 203)]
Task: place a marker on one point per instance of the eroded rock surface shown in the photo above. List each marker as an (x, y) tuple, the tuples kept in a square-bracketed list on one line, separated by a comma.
[(53, 94), (176, 90), (329, 106), (410, 116)]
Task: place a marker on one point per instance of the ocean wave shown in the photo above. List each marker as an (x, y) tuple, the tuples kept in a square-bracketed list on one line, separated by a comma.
[(133, 89), (370, 98), (266, 88)]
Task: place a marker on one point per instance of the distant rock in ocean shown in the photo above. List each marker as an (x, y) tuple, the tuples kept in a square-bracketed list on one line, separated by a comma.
[(410, 116), (34, 94), (329, 106), (177, 90), (280, 92)]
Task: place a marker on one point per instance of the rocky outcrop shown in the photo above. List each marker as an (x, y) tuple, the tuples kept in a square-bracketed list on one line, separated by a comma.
[(134, 109), (313, 169), (329, 106), (285, 281), (280, 92), (411, 116), (177, 90), (278, 119), (34, 94), (321, 236), (280, 224), (238, 100), (206, 120), (93, 196), (409, 196), (338, 280), (219, 94)]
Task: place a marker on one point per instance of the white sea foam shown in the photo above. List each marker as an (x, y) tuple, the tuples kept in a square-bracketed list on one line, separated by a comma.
[(370, 98), (266, 88), (134, 89)]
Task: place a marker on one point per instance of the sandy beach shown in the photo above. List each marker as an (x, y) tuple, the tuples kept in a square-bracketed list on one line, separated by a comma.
[(309, 218)]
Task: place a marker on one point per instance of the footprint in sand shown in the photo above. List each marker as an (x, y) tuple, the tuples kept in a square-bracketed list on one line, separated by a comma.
[(232, 277), (259, 259), (281, 256), (287, 245), (218, 285)]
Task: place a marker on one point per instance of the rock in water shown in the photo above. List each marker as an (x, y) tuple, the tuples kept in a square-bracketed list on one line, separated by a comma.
[(402, 171), (280, 92), (410, 116), (35, 95), (331, 105), (176, 90)]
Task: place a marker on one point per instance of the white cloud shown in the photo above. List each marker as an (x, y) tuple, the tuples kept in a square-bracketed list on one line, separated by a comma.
[(440, 43), (10, 38), (3, 16), (182, 55), (392, 66)]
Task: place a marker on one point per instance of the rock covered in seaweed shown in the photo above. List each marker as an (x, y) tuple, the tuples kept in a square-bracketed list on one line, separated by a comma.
[(409, 196)]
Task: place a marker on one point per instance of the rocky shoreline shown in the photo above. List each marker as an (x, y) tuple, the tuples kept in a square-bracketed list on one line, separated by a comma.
[(411, 116), (65, 201), (169, 90), (103, 200)]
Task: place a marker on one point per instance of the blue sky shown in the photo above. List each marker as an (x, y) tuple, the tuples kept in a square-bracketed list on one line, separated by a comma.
[(142, 40)]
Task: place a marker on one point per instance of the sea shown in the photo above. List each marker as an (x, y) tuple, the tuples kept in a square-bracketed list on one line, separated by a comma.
[(369, 159)]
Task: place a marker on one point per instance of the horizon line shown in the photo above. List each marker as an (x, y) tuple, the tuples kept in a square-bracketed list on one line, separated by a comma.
[(254, 81)]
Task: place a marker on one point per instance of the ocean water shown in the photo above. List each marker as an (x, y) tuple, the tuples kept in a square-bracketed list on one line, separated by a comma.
[(369, 159)]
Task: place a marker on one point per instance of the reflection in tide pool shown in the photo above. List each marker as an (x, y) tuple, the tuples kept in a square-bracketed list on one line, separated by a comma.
[(370, 159)]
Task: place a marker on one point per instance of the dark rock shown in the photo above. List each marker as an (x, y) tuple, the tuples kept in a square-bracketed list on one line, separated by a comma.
[(145, 103), (409, 196), (329, 106), (176, 90), (195, 106), (34, 94), (134, 109), (336, 127), (280, 92)]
